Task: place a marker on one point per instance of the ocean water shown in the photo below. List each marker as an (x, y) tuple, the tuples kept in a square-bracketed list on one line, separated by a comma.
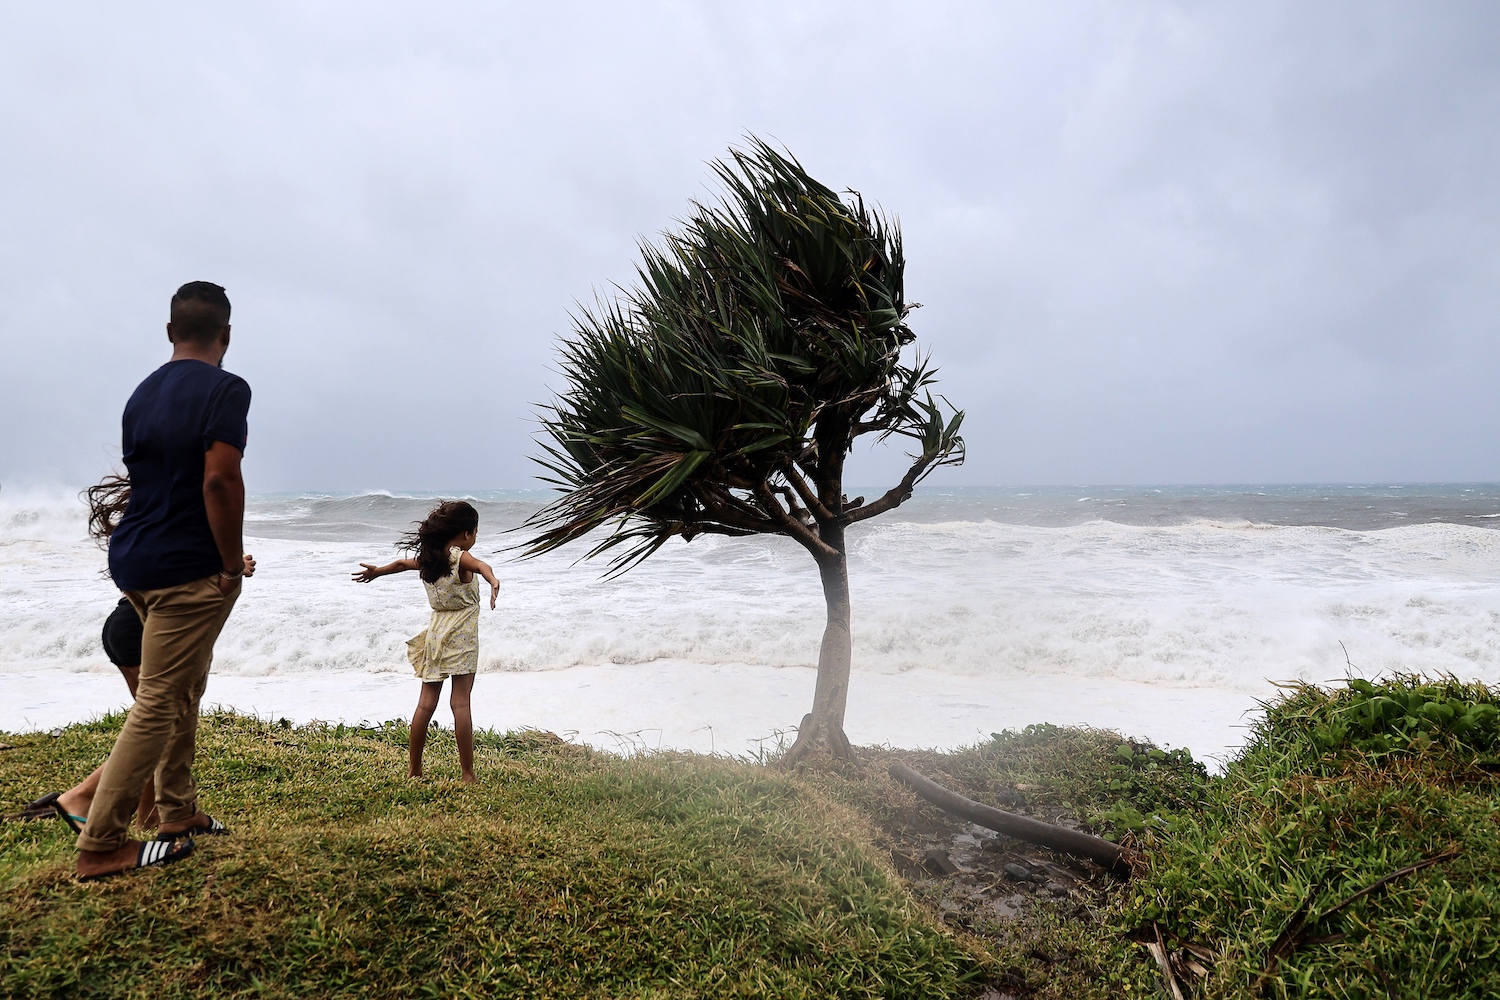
[(1010, 595)]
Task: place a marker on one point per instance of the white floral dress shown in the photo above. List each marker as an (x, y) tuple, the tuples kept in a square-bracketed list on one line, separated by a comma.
[(451, 643)]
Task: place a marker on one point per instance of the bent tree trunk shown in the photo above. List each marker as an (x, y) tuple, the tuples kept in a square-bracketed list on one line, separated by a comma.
[(831, 696)]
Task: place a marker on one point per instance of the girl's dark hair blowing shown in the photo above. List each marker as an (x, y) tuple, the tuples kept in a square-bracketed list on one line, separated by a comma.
[(447, 521), (107, 500)]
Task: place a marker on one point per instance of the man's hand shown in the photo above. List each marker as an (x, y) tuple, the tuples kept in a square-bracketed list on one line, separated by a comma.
[(228, 583)]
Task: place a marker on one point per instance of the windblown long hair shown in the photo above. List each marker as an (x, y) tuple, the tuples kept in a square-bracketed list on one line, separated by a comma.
[(432, 536), (107, 500)]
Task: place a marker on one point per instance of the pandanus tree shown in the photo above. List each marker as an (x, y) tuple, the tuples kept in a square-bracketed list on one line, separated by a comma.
[(724, 393)]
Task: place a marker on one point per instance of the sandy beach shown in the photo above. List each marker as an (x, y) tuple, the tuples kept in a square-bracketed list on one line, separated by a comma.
[(728, 708)]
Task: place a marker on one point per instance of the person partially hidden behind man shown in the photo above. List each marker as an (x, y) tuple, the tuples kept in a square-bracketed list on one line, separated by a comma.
[(178, 555)]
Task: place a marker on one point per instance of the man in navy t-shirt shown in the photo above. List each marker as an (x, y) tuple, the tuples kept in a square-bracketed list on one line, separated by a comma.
[(177, 416), (178, 555)]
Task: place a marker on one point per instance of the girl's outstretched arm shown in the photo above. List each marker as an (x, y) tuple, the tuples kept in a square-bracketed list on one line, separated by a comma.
[(369, 572), (469, 564)]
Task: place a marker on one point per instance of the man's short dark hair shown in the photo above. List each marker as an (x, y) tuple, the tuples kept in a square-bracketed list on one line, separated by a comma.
[(200, 309)]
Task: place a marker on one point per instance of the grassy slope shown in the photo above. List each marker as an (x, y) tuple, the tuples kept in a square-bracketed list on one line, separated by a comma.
[(563, 874), (575, 874)]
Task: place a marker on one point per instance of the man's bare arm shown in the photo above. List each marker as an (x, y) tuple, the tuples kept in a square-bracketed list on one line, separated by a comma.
[(224, 500)]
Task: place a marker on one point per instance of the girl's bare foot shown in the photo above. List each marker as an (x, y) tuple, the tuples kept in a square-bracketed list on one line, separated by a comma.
[(468, 777)]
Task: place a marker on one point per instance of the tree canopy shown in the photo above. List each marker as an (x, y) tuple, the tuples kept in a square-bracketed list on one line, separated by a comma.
[(723, 393)]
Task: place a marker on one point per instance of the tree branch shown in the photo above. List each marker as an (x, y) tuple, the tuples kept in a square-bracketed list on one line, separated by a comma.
[(734, 514), (896, 495), (797, 510), (715, 528), (814, 505), (794, 528)]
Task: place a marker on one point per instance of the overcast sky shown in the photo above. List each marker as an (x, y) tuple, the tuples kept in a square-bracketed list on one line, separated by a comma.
[(1156, 242)]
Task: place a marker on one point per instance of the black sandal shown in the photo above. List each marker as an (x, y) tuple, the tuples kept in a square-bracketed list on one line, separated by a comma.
[(75, 823), (152, 854), (213, 829), (38, 809)]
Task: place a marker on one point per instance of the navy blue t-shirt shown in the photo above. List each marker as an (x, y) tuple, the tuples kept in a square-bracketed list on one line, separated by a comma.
[(172, 419)]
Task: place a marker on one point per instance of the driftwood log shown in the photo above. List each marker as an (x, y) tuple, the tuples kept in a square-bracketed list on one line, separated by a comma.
[(1080, 845)]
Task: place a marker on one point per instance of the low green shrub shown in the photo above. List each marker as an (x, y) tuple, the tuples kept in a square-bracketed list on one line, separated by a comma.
[(1337, 790), (1116, 784), (1404, 715)]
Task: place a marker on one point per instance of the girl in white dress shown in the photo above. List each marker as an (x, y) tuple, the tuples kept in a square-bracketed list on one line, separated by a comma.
[(450, 645)]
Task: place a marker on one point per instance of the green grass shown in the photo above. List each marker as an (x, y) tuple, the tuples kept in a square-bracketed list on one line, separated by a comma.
[(565, 873), (1116, 784), (1336, 790), (580, 874)]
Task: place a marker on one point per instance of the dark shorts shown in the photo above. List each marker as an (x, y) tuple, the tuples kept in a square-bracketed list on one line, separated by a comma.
[(122, 636)]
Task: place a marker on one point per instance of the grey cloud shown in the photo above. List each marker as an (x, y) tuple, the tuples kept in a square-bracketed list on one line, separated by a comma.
[(1156, 242)]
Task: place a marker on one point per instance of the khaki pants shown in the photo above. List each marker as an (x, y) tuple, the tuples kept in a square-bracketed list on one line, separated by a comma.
[(181, 626)]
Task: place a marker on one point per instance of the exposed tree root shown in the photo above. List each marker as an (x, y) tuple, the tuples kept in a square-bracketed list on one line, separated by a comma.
[(1102, 852), (808, 736)]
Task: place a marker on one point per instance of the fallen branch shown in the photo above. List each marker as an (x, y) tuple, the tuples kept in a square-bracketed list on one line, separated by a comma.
[(1398, 873), (1158, 949), (1102, 852), (1295, 935), (1180, 968)]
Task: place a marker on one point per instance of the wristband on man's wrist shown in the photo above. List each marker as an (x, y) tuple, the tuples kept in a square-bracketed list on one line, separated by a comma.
[(225, 574)]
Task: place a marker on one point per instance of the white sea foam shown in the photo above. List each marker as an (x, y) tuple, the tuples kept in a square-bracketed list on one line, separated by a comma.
[(1221, 605)]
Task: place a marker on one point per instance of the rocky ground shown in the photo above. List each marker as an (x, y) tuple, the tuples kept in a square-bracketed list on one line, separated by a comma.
[(983, 882)]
